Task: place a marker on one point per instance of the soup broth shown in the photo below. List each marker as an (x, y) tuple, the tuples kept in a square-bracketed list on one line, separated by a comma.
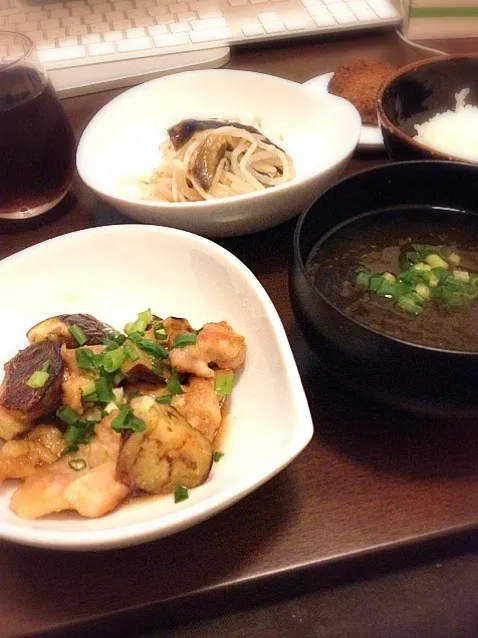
[(375, 241)]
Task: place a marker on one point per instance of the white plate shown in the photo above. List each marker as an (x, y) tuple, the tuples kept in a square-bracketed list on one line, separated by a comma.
[(370, 136), (115, 271), (121, 142)]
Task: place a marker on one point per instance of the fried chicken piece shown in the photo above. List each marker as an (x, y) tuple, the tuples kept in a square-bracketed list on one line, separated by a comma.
[(359, 83)]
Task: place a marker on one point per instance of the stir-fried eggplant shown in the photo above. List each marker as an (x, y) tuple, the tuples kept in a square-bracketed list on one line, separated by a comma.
[(211, 152), (61, 329), (182, 132), (169, 453), (21, 401)]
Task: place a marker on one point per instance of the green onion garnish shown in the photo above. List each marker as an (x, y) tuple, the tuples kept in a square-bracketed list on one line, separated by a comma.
[(113, 359), (88, 388), (141, 323), (86, 359), (223, 383), (37, 379), (103, 390), (67, 415), (126, 420), (130, 351), (46, 367), (146, 316), (156, 350), (173, 385), (160, 332), (181, 494), (164, 399), (184, 339), (77, 464), (217, 456), (78, 334)]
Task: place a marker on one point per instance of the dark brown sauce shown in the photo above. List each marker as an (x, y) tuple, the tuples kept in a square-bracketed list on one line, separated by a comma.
[(374, 240)]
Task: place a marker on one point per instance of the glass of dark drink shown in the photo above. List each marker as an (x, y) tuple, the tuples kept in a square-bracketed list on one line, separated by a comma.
[(37, 146)]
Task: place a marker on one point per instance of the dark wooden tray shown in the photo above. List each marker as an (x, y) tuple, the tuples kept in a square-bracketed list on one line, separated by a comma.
[(369, 480)]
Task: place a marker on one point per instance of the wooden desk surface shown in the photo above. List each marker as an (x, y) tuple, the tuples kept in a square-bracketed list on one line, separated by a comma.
[(341, 543)]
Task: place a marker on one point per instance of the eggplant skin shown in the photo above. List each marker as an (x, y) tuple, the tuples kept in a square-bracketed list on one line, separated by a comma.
[(16, 395), (57, 329), (168, 454)]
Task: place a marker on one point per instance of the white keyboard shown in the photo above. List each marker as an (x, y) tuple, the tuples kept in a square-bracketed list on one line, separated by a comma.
[(90, 44)]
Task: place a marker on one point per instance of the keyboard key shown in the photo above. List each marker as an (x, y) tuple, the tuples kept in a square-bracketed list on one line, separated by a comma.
[(124, 4), (238, 3), (346, 17), (45, 44), (268, 16), (113, 36), (208, 23), (206, 14), (114, 15), (104, 7), (179, 27), (37, 16), (94, 18), (274, 27), (14, 19), (210, 35), (60, 55), (49, 24), (258, 1), (170, 40), (52, 6), (103, 48), (101, 27), (158, 29), (312, 3), (252, 29), (338, 7), (81, 30), (158, 11), (137, 44), (166, 19), (135, 33), (55, 33), (294, 24), (80, 11), (36, 36), (59, 13), (365, 15), (72, 21), (358, 4), (318, 11), (27, 26), (187, 16), (91, 38), (67, 42), (121, 25), (324, 21), (135, 13), (178, 8), (144, 22), (382, 9)]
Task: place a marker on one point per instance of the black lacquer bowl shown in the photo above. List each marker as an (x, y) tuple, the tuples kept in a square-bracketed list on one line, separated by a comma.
[(417, 92), (424, 380)]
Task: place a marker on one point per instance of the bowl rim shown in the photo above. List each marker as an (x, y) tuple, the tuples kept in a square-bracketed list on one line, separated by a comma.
[(385, 122), (297, 253), (185, 207)]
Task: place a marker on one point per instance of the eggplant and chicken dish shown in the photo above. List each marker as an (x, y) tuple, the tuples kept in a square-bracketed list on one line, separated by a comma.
[(90, 416)]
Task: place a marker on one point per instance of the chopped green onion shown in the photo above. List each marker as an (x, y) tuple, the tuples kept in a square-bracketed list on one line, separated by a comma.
[(423, 290), (130, 351), (77, 464), (184, 339), (146, 315), (118, 377), (37, 379), (67, 415), (46, 367), (164, 398), (454, 259), (462, 275), (88, 388), (113, 359), (389, 277), (126, 420), (173, 385), (86, 359), (160, 332), (78, 334), (141, 323), (217, 456), (156, 350), (435, 261), (223, 383), (181, 494), (104, 390), (110, 343), (412, 303)]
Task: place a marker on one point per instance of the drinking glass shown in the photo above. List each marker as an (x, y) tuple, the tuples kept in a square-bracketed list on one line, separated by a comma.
[(37, 146)]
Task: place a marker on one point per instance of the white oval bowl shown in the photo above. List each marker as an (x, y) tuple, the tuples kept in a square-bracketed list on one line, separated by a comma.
[(320, 132), (115, 271)]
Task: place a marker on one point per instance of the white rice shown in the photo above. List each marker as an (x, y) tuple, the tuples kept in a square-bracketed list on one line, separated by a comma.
[(452, 132)]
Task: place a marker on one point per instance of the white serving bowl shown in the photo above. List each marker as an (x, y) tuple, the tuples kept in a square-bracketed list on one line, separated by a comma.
[(115, 271), (320, 132)]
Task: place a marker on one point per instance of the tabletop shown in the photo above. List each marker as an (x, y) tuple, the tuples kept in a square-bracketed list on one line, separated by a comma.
[(369, 532)]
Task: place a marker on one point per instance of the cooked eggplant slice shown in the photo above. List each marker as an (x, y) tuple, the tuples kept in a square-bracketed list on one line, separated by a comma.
[(182, 132), (21, 404), (168, 454), (211, 152), (58, 329)]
